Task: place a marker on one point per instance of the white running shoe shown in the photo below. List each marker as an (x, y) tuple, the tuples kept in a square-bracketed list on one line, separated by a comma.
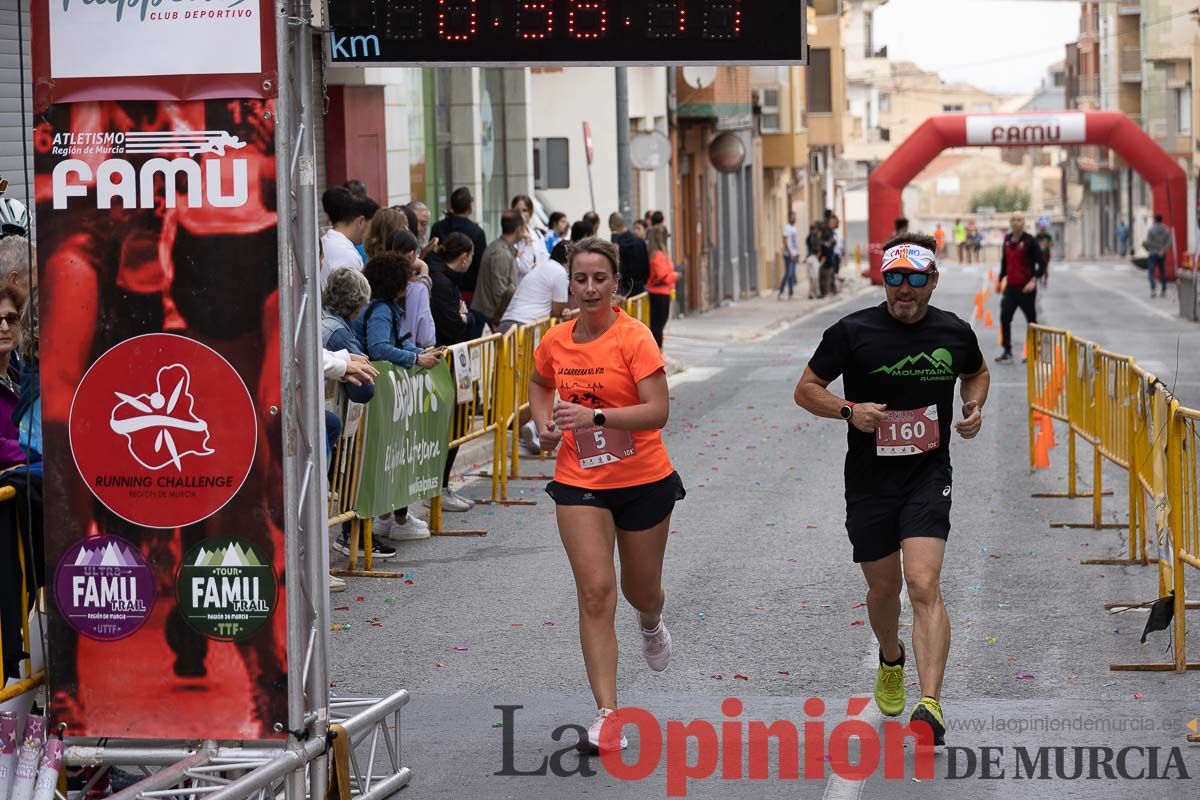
[(336, 584), (609, 743), (529, 439), (412, 528), (453, 501), (656, 646)]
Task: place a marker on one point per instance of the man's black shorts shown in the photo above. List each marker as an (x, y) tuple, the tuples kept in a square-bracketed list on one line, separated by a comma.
[(879, 515), (636, 508)]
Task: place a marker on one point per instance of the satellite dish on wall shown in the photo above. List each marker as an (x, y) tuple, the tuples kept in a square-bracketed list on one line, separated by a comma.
[(650, 150), (699, 77)]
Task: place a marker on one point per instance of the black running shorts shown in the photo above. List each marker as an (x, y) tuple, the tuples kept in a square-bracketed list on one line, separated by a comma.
[(879, 516), (636, 508)]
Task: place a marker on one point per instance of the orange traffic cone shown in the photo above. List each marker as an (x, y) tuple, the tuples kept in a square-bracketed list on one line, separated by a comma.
[(991, 276), (1048, 430), (980, 299), (1041, 453), (1025, 350), (987, 319)]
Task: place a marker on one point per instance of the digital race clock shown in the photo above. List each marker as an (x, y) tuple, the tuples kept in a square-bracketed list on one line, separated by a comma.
[(537, 32)]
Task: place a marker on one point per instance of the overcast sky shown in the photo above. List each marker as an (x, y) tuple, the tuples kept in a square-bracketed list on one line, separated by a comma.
[(999, 45)]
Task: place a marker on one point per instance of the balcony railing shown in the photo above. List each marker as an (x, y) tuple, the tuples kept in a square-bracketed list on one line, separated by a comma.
[(1129, 7)]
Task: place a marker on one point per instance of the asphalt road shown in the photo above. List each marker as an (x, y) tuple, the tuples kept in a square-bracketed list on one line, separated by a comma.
[(763, 601)]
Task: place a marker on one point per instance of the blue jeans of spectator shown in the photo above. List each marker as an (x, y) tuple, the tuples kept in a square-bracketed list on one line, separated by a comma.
[(789, 276), (333, 429), (1157, 264)]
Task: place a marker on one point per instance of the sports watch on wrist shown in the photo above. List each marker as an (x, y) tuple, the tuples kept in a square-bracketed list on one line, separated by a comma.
[(598, 418), (847, 411)]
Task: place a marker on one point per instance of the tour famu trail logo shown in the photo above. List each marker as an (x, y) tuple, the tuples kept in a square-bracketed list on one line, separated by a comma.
[(935, 366), (226, 589), (105, 589)]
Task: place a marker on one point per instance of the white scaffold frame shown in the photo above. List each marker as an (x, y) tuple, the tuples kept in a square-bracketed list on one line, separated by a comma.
[(298, 766)]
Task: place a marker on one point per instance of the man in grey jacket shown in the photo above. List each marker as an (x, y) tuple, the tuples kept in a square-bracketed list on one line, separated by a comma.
[(1158, 242)]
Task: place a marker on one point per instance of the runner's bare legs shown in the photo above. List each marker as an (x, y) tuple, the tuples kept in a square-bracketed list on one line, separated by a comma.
[(923, 558), (589, 537), (883, 602)]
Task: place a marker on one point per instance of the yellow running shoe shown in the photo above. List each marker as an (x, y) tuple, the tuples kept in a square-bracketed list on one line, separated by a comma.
[(889, 687), (929, 711)]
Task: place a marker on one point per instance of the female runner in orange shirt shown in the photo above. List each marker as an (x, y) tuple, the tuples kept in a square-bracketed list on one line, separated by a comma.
[(613, 482)]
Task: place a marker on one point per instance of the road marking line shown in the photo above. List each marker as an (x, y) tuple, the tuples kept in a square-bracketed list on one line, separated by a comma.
[(693, 375), (837, 787)]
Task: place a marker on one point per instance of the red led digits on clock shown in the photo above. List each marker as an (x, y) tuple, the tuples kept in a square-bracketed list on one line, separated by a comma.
[(723, 19), (666, 19), (535, 20), (401, 20), (587, 19), (458, 20)]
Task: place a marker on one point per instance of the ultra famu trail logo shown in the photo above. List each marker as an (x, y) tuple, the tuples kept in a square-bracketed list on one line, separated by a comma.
[(935, 366)]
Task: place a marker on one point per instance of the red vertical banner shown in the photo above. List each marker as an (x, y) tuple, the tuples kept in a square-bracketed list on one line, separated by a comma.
[(157, 251)]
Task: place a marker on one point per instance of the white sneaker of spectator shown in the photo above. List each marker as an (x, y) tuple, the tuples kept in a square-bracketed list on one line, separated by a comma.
[(336, 584), (412, 528), (453, 501), (381, 525), (529, 439)]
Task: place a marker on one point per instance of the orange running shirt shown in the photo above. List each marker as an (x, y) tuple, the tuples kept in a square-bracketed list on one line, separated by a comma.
[(604, 374)]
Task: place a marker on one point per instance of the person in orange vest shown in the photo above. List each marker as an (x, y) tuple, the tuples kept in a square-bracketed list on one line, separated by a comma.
[(939, 236)]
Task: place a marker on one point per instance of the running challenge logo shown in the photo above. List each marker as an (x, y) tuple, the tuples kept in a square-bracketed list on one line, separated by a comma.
[(117, 178), (935, 366), (141, 435), (162, 428), (853, 750)]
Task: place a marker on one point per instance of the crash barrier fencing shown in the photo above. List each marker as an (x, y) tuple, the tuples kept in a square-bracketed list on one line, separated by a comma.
[(497, 368), (31, 680), (1133, 421)]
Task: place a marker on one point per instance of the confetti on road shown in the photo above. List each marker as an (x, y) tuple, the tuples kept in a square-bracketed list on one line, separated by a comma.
[(858, 622), (1138, 695), (990, 639), (1024, 676), (740, 677), (461, 648)]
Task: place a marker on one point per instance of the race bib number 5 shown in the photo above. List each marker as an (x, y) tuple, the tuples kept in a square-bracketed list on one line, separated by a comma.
[(908, 433), (599, 446)]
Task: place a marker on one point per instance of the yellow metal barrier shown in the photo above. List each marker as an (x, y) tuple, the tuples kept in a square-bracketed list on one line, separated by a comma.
[(34, 680), (527, 339), (638, 307), (1183, 493), (483, 415)]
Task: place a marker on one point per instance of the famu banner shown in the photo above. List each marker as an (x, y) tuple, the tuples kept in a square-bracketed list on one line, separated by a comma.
[(406, 438), (158, 275)]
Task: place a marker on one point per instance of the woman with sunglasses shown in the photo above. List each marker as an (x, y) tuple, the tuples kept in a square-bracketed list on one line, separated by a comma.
[(899, 362)]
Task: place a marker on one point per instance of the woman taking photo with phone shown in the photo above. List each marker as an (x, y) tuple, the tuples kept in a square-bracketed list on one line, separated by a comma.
[(614, 485)]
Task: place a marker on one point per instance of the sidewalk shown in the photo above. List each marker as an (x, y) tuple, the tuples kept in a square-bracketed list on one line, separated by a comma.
[(759, 317)]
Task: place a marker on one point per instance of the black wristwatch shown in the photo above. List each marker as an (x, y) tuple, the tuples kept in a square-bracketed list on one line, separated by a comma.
[(847, 411), (598, 418)]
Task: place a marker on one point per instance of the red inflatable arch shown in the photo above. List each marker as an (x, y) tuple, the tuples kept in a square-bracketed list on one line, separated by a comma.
[(1111, 128)]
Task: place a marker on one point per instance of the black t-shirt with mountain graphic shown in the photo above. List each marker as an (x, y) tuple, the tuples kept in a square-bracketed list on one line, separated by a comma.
[(883, 360)]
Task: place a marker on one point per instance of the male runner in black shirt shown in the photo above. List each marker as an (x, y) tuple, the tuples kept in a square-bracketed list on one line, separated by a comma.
[(899, 362)]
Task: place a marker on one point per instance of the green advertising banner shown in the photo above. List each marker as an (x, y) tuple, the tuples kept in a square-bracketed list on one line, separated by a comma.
[(405, 443)]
